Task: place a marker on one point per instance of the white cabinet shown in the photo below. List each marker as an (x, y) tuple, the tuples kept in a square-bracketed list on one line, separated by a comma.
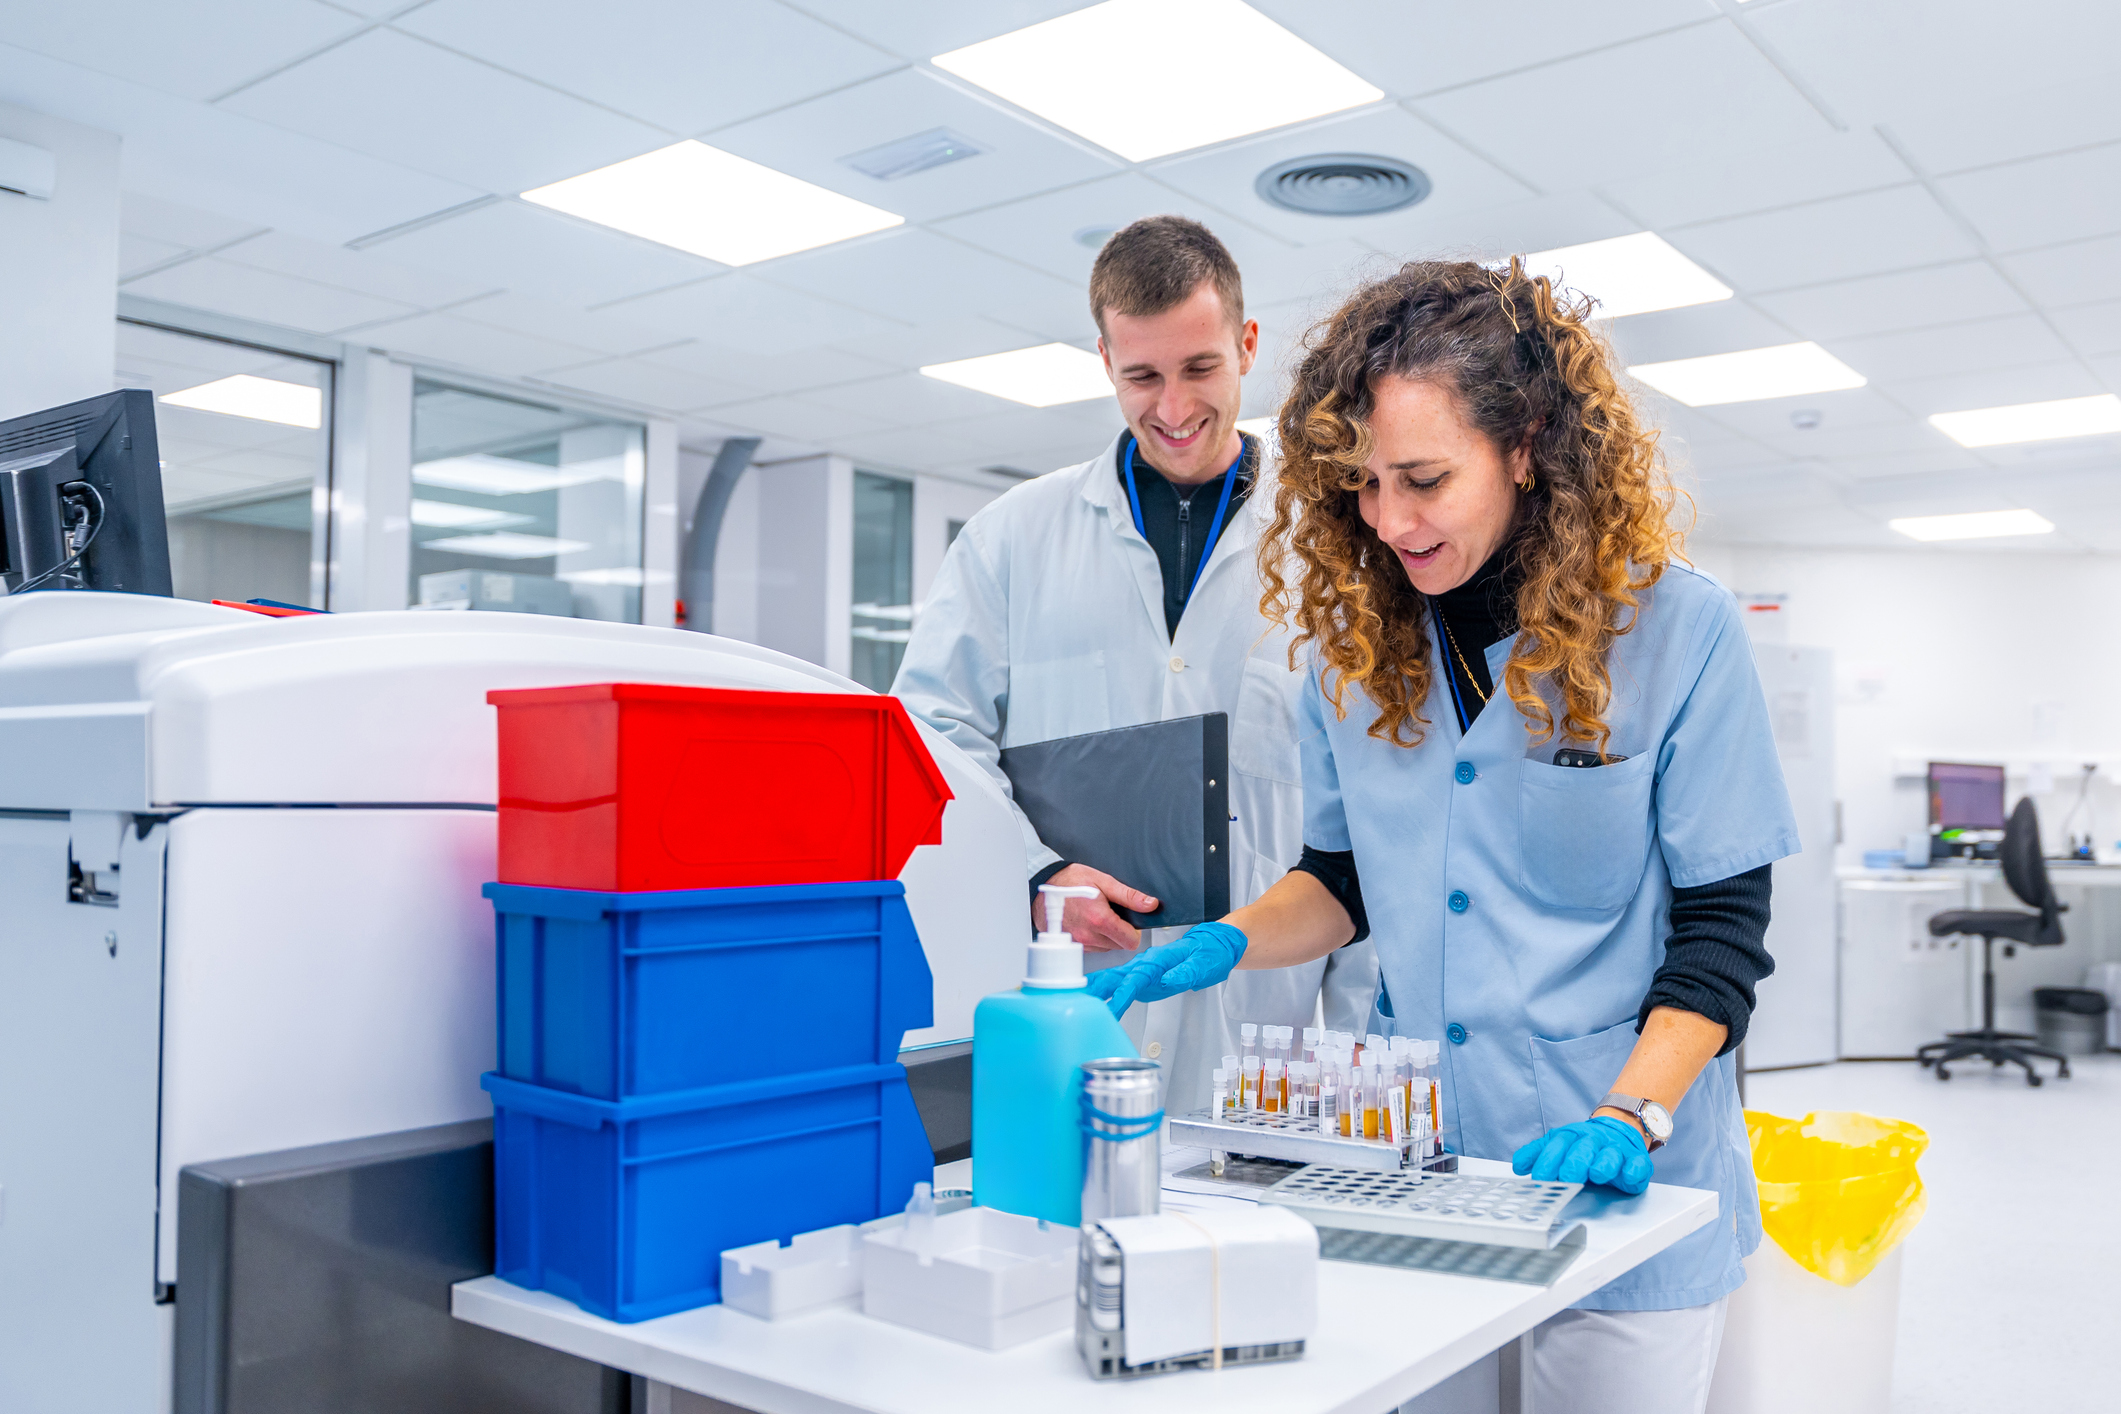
[(1900, 987)]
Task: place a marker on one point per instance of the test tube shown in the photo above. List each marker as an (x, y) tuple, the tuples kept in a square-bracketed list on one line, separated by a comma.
[(1310, 1044), (1311, 1089), (1328, 1104), (1222, 1094), (1231, 1092), (1350, 1096), (1250, 1079), (1274, 1088), (1435, 1099), (1250, 1034), (1409, 1070)]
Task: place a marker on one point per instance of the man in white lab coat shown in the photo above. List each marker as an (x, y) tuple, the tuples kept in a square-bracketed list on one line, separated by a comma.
[(1123, 590)]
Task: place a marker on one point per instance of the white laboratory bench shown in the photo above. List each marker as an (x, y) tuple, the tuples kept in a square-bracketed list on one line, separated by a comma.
[(1384, 1335)]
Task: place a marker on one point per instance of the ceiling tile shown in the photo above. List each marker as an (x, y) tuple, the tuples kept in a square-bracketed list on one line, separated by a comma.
[(1408, 48), (739, 311), (1906, 299), (786, 373), (914, 276), (2069, 274), (633, 381), (926, 30), (1768, 420), (907, 447), (1923, 463), (1826, 240), (1759, 179), (2091, 328), (2042, 201), (906, 399), (1726, 326), (2049, 117), (138, 253), (183, 226), (544, 254), (1223, 176), (212, 160), (1999, 387), (1951, 348), (589, 329), (795, 418), (350, 270), (807, 140), (683, 65), (1874, 62), (946, 340), (1497, 232), (1825, 525), (1676, 100), (1041, 230), (1787, 486), (213, 284), (478, 347), (175, 47), (407, 101)]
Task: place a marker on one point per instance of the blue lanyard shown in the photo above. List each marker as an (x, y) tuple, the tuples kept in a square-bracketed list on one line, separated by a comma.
[(1215, 527)]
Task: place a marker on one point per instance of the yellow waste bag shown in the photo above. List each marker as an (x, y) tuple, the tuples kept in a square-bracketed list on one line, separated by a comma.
[(1837, 1189)]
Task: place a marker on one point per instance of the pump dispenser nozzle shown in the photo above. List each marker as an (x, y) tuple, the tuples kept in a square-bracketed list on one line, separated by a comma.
[(1056, 959)]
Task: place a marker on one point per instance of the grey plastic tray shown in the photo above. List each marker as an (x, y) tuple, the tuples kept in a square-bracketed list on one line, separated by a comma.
[(1451, 1207)]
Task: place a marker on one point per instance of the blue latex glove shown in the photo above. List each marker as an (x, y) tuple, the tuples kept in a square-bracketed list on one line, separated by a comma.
[(1203, 956), (1596, 1150)]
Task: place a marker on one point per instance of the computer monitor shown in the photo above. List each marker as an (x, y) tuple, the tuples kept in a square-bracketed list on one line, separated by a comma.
[(1966, 797), (81, 498)]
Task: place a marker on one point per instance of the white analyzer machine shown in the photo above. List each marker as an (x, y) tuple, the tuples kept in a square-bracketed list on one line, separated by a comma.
[(240, 862)]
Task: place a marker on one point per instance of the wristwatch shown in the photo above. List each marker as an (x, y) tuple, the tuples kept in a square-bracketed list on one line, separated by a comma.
[(1655, 1118)]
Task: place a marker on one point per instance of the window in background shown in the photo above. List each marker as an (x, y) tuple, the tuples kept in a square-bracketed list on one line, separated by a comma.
[(950, 532), (525, 508), (883, 577), (245, 437)]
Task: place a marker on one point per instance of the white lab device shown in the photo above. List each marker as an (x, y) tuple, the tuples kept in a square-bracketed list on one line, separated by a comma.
[(240, 863)]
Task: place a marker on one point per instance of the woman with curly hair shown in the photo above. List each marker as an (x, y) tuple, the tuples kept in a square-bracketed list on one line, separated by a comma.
[(1538, 763)]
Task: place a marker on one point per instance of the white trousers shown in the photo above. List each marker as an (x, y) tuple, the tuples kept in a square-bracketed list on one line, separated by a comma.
[(1602, 1362)]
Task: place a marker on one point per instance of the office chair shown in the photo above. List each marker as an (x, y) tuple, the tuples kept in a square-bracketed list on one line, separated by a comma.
[(2024, 871)]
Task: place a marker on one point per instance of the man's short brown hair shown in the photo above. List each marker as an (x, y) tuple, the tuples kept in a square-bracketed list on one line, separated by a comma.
[(1156, 263)]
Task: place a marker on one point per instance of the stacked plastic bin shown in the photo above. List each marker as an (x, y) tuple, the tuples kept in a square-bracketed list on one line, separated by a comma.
[(706, 968)]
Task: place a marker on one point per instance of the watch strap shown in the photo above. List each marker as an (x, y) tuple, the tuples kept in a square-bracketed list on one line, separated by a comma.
[(1633, 1105)]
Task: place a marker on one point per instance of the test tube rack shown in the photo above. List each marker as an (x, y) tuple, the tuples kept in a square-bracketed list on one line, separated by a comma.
[(1496, 1211), (1290, 1138)]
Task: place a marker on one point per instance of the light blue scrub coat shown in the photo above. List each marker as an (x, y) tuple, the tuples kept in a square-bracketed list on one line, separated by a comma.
[(1520, 908)]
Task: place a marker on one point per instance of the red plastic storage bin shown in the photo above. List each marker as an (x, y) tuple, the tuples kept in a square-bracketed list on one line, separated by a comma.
[(637, 786)]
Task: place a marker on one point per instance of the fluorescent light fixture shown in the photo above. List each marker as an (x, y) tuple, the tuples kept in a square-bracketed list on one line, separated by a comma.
[(489, 475), (1978, 525), (261, 399), (713, 203), (1783, 371), (1629, 274), (1041, 377), (506, 545), (1145, 78), (1260, 427), (625, 576), (453, 515), (2032, 422)]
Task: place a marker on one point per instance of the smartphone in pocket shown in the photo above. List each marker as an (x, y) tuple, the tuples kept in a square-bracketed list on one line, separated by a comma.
[(1569, 756)]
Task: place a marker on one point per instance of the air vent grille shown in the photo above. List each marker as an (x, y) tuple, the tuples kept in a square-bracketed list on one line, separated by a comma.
[(1342, 184)]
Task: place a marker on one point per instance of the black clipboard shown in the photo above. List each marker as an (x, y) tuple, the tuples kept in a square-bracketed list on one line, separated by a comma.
[(1149, 805)]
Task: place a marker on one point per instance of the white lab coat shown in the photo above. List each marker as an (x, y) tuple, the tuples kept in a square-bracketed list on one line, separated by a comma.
[(1047, 620)]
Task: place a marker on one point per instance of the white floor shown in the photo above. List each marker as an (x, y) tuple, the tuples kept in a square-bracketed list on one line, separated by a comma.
[(2011, 1296)]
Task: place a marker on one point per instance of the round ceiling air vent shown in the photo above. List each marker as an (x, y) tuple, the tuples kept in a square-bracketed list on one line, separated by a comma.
[(1342, 184)]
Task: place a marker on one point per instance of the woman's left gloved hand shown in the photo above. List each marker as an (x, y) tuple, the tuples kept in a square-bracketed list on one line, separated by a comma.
[(1596, 1150), (1203, 956)]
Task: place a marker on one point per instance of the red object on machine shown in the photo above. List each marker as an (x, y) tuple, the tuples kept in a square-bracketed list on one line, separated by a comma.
[(636, 786)]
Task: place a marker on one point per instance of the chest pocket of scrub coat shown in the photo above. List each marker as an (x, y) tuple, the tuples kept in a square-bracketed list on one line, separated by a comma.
[(1584, 831), (1263, 733)]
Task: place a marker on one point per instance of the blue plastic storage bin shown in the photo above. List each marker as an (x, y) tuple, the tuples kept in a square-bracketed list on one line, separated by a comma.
[(625, 1207), (621, 995)]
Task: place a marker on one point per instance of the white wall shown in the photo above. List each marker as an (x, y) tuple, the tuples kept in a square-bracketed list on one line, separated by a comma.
[(806, 558), (1958, 655), (59, 266)]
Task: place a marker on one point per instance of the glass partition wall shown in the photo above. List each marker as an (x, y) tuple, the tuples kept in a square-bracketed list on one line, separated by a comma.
[(523, 507), (245, 437), (883, 578)]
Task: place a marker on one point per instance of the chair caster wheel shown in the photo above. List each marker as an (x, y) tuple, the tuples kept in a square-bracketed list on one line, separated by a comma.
[(2062, 1074), (1926, 1061), (2034, 1080), (1943, 1074)]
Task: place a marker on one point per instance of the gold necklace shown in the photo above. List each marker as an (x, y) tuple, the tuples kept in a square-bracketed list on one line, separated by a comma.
[(1452, 639)]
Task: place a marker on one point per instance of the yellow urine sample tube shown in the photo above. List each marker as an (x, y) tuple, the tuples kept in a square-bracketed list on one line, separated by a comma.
[(1369, 1121)]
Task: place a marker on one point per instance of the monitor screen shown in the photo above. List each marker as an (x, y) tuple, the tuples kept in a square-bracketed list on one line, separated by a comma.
[(1966, 797)]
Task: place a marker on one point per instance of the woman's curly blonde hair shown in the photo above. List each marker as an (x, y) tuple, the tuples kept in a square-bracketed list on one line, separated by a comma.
[(1593, 532)]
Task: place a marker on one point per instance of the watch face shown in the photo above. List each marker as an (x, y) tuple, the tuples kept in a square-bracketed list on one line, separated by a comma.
[(1656, 1119)]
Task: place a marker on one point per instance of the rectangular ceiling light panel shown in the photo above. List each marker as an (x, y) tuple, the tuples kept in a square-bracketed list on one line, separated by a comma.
[(262, 399), (1146, 78), (711, 203), (1040, 377), (1979, 525), (455, 515), (1629, 275), (1783, 371), (489, 475), (2032, 422), (507, 545)]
